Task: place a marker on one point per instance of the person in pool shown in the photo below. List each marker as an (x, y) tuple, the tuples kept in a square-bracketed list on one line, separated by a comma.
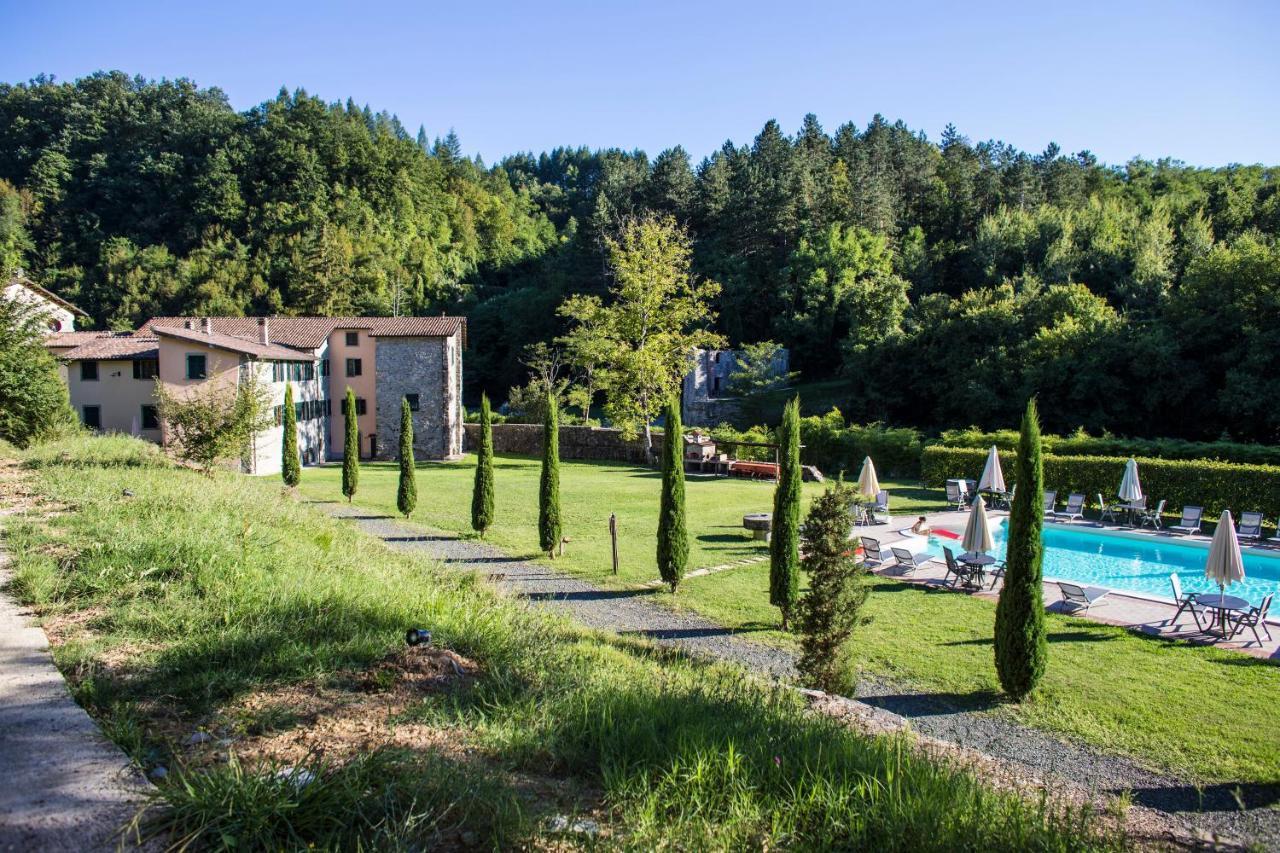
[(921, 527)]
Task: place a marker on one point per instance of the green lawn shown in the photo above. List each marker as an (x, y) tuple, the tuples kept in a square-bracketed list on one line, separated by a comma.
[(176, 596), (1111, 688), (589, 492)]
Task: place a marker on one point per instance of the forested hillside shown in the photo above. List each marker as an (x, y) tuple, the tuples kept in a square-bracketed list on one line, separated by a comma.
[(943, 281)]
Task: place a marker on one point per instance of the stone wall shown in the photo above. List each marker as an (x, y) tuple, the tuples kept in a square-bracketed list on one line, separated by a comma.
[(576, 442), (429, 368)]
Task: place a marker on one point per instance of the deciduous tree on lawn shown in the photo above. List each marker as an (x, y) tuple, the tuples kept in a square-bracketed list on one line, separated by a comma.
[(290, 465), (784, 542), (673, 535), (210, 422), (639, 343), (33, 398), (350, 447), (549, 486), (407, 493), (1020, 643), (482, 494)]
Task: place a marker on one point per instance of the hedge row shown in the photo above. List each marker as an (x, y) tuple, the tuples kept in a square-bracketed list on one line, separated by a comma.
[(1214, 485), (1083, 444), (832, 446)]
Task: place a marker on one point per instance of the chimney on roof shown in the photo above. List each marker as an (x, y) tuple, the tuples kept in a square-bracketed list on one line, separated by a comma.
[(204, 325), (264, 330)]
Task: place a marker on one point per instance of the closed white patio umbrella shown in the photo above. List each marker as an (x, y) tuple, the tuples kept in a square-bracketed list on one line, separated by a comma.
[(1225, 564), (868, 483), (992, 475), (977, 533), (1130, 487)]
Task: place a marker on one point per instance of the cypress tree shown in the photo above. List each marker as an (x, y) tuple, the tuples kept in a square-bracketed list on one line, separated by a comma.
[(784, 542), (290, 464), (407, 494), (1020, 644), (549, 488), (673, 538), (482, 495), (350, 447)]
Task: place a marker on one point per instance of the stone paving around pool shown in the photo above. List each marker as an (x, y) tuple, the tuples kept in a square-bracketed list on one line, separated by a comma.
[(1126, 610)]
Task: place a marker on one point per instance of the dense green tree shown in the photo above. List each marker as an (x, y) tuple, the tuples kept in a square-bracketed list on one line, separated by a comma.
[(350, 446), (549, 530), (784, 542), (290, 461), (1021, 648), (407, 489), (832, 607), (33, 398), (673, 533), (482, 493)]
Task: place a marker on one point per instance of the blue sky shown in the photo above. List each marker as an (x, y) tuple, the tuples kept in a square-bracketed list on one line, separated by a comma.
[(1197, 81)]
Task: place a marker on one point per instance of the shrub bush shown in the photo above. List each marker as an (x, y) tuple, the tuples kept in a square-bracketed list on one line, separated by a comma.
[(832, 445), (1081, 443), (1204, 482)]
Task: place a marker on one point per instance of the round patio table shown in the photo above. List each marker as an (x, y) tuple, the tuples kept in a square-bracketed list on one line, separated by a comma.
[(979, 561), (1223, 604)]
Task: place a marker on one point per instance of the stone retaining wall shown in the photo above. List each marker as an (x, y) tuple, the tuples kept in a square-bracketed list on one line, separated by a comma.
[(576, 442)]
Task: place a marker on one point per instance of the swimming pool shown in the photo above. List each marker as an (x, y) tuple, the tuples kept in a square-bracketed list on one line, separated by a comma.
[(1133, 562)]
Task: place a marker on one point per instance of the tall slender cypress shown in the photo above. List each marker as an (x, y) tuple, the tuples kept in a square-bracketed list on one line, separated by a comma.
[(549, 487), (290, 464), (1020, 644), (407, 493), (784, 542), (673, 536), (482, 494), (350, 447)]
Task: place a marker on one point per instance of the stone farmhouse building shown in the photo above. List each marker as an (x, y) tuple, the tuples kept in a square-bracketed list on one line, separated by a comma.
[(706, 397), (112, 376)]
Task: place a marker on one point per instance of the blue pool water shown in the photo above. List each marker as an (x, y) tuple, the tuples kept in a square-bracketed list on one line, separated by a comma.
[(1134, 562)]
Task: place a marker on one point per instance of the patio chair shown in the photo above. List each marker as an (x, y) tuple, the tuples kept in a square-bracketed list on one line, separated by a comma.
[(1190, 522), (1253, 619), (871, 550), (1106, 510), (996, 571), (1187, 603), (957, 494), (1275, 540), (882, 503), (964, 574), (1050, 501), (1076, 597), (1152, 516), (1250, 526), (910, 562), (1073, 510)]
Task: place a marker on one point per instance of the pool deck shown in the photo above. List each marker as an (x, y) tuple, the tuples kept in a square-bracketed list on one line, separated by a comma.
[(1127, 610)]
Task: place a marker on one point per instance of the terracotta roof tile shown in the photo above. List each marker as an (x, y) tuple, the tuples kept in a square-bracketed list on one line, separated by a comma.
[(75, 339), (115, 347), (311, 332), (234, 344)]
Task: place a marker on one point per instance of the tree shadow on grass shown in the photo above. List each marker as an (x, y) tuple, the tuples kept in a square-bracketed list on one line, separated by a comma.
[(1224, 797), (738, 538), (1052, 637), (365, 517)]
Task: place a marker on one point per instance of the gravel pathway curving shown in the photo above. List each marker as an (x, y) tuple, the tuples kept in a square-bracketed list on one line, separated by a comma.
[(961, 720)]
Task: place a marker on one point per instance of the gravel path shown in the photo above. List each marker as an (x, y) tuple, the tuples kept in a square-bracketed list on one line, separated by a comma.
[(957, 719), (65, 787)]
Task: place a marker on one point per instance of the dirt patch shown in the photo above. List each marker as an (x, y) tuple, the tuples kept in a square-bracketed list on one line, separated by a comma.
[(348, 714)]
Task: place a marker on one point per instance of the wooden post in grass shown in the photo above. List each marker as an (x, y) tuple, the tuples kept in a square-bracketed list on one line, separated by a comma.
[(613, 535)]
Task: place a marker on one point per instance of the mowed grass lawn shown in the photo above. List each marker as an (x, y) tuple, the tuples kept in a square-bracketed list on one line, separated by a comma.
[(589, 492), (1206, 713)]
